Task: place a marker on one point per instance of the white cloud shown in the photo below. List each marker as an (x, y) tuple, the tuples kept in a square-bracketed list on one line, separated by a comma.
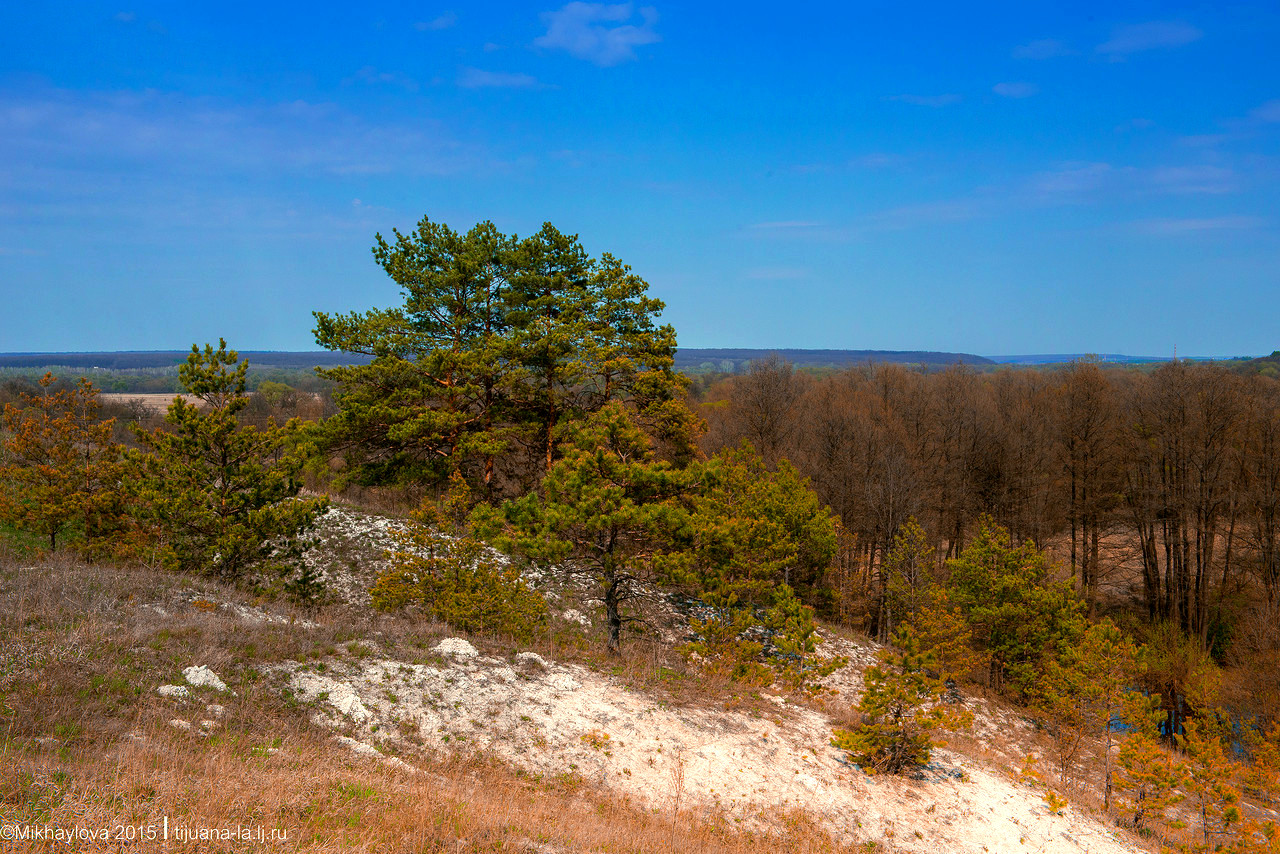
[(1042, 49), (1015, 89), (1137, 124), (475, 78), (165, 135), (442, 22), (926, 100), (1200, 225), (1149, 36), (1077, 182), (584, 30), (924, 213)]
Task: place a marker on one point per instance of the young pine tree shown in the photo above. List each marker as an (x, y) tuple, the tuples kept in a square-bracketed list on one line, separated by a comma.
[(219, 495), (59, 468), (607, 513), (945, 634), (906, 578), (1149, 777), (1016, 612), (901, 709), (1211, 787), (757, 538)]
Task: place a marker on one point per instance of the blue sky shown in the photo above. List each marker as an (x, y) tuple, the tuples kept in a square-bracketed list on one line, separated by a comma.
[(992, 178)]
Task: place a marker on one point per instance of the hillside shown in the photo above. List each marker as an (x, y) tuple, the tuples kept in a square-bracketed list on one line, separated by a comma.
[(136, 697)]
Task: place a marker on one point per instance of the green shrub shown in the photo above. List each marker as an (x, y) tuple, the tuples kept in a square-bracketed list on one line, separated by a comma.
[(457, 580)]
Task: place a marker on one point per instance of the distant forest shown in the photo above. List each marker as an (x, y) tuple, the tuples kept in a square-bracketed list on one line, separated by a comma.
[(156, 371)]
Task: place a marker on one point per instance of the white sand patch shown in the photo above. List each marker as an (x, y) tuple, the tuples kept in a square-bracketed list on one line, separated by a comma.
[(573, 615), (455, 647), (372, 752), (531, 659), (249, 614), (558, 719), (341, 696)]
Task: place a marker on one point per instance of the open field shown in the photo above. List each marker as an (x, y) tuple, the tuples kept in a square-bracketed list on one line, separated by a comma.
[(148, 403)]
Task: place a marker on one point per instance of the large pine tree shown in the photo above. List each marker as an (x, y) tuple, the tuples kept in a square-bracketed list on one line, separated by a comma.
[(499, 344)]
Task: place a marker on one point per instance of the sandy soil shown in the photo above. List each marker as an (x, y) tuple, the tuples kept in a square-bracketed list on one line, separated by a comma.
[(555, 719)]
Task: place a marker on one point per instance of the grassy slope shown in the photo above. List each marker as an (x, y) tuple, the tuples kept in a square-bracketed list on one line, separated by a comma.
[(88, 743)]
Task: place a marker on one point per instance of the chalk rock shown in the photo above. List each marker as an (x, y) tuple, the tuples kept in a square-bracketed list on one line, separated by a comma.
[(202, 677)]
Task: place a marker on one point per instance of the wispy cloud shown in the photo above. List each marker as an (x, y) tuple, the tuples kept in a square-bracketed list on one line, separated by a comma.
[(476, 78), (786, 225), (1151, 35), (163, 136), (1069, 180), (1268, 112), (876, 160), (1015, 89), (1042, 49), (1080, 182), (441, 22), (598, 32), (927, 213), (926, 100), (1198, 225), (1191, 180), (131, 18), (373, 77)]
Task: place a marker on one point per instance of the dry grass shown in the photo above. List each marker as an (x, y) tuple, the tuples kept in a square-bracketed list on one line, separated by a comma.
[(321, 800), (87, 742)]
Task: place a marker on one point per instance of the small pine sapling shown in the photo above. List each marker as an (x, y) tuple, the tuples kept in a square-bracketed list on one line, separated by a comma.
[(901, 708)]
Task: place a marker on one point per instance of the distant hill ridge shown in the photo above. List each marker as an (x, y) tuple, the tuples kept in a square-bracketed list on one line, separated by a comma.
[(124, 360), (686, 358), (728, 359), (690, 357)]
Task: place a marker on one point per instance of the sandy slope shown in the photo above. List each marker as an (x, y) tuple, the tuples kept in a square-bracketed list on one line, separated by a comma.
[(554, 719)]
